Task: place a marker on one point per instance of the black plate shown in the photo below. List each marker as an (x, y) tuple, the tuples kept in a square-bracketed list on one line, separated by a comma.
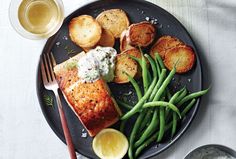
[(63, 48)]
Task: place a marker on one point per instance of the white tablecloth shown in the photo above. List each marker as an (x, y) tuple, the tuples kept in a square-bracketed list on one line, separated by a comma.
[(25, 134)]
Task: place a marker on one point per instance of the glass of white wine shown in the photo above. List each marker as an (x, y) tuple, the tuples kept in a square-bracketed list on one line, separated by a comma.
[(36, 19)]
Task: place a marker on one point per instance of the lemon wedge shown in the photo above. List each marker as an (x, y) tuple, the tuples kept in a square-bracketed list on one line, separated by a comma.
[(110, 144)]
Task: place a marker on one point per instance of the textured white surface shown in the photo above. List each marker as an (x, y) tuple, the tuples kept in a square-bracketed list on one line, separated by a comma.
[(24, 133)]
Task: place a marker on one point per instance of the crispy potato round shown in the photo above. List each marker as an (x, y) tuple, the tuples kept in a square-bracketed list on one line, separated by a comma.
[(141, 34), (136, 53), (124, 64), (133, 51), (181, 56), (86, 49), (163, 44), (107, 39), (85, 31), (114, 20), (124, 45)]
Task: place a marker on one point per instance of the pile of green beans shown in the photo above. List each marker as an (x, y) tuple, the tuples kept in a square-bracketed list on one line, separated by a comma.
[(158, 111)]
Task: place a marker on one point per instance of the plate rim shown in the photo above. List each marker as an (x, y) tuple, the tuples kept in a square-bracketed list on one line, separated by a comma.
[(195, 108)]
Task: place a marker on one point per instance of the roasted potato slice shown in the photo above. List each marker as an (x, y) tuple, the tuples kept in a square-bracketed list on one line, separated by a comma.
[(114, 20), (133, 51), (86, 49), (125, 64), (124, 45), (136, 53), (182, 56), (141, 34), (85, 31), (163, 44), (107, 39)]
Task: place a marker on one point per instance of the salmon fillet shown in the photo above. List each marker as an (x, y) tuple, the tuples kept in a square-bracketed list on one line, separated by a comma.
[(91, 102)]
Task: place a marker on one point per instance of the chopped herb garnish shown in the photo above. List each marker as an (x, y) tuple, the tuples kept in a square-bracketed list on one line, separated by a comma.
[(69, 50), (72, 64), (48, 100)]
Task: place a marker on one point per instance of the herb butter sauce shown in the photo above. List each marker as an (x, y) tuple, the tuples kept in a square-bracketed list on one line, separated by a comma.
[(98, 62)]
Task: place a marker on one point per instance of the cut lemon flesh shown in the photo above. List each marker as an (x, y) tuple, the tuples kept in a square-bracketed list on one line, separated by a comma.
[(110, 144)]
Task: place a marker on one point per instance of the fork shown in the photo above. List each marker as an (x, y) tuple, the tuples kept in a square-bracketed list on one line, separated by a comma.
[(49, 81)]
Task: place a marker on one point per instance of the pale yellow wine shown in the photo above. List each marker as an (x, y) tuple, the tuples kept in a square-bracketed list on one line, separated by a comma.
[(39, 16)]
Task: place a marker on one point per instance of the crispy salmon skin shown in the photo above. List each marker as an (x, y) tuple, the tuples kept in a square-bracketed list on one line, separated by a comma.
[(91, 102)]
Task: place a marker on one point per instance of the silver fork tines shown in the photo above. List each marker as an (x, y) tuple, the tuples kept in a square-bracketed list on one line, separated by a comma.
[(48, 76)]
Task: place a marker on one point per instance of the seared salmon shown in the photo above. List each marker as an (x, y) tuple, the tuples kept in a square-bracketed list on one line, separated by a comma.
[(91, 102)]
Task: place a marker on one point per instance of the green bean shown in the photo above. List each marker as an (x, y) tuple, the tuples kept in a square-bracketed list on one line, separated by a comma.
[(162, 104), (139, 61), (139, 95), (123, 104), (158, 67), (174, 120), (174, 115), (140, 103), (173, 99), (162, 119), (164, 85), (162, 125), (149, 130), (154, 71), (151, 127), (138, 106), (142, 114), (144, 74), (136, 59), (149, 141), (183, 113), (193, 95), (153, 64), (140, 50), (158, 85), (146, 119), (135, 85), (122, 125), (158, 57), (144, 67), (133, 134), (188, 107), (182, 95), (174, 124), (168, 126)]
